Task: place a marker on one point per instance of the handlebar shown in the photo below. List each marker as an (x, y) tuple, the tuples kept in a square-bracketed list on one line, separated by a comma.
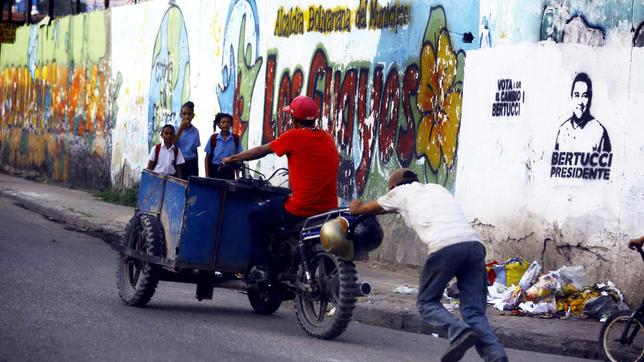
[(246, 177)]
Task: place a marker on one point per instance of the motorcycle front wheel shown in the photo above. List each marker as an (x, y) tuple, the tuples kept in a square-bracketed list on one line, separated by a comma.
[(325, 312)]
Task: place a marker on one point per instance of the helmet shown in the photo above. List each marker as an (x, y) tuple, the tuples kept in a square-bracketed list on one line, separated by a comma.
[(400, 176), (366, 234), (303, 107)]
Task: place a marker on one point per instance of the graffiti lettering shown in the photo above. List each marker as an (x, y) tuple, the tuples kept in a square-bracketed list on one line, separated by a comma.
[(407, 134), (389, 16), (268, 124), (289, 22), (389, 111), (361, 15), (342, 98), (328, 20), (584, 165), (508, 99)]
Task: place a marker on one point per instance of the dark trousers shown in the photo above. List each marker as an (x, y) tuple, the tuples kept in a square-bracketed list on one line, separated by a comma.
[(190, 168), (225, 172), (466, 262), (264, 217)]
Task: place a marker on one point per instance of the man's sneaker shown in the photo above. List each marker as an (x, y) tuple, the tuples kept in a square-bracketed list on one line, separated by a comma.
[(460, 345), (258, 273)]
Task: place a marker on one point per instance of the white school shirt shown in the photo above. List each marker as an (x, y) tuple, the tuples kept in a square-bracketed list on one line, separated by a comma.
[(432, 212), (165, 164)]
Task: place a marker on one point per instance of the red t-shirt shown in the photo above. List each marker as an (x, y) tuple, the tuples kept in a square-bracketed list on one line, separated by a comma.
[(313, 168)]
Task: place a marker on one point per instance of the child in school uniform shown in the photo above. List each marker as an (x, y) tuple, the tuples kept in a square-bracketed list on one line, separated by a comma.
[(187, 140), (165, 157), (220, 145)]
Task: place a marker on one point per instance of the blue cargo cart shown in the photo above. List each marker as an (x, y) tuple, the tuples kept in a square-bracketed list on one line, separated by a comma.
[(197, 231)]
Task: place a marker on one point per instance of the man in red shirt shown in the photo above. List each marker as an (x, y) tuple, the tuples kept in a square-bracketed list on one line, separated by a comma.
[(313, 167)]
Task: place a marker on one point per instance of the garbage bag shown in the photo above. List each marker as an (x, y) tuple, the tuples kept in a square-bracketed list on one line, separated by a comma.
[(545, 286), (602, 306), (514, 270), (499, 292), (491, 274), (548, 305), (530, 275), (610, 289), (499, 270), (571, 279)]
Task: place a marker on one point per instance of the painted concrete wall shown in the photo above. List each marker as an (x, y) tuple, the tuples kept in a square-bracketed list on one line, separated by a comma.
[(82, 100), (55, 89), (228, 57)]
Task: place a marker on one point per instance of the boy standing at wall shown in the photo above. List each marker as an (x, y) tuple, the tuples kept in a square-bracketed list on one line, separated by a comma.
[(454, 251), (187, 140), (165, 158)]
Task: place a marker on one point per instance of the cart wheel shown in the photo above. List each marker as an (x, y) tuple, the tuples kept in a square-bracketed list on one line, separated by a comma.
[(326, 312), (137, 280), (265, 301)]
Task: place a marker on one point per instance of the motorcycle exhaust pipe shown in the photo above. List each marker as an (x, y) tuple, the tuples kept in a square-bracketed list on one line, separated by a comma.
[(364, 289)]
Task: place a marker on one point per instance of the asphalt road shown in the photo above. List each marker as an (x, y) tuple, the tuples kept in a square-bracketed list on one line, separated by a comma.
[(59, 302)]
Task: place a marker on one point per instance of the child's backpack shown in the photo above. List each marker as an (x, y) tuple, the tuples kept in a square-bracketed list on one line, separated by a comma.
[(213, 141), (157, 150)]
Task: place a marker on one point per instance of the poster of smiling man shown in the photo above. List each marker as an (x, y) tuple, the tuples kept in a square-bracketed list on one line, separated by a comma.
[(582, 147)]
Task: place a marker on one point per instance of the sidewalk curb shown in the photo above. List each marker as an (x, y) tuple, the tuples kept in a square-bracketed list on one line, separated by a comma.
[(515, 338), (405, 320), (75, 221)]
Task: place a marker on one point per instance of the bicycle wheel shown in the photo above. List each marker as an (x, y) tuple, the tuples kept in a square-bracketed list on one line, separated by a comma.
[(621, 345)]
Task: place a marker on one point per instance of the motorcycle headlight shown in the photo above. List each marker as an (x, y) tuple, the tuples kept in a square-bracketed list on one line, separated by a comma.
[(333, 236)]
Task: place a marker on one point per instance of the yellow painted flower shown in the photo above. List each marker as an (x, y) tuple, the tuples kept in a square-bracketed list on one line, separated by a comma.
[(438, 102)]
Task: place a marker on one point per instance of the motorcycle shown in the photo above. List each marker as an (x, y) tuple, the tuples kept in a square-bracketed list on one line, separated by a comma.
[(196, 232)]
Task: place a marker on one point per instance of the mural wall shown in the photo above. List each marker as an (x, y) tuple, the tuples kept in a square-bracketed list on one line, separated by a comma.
[(350, 59), (522, 109), (55, 94)]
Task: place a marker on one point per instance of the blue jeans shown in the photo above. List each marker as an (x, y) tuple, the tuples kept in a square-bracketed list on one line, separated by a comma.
[(466, 262)]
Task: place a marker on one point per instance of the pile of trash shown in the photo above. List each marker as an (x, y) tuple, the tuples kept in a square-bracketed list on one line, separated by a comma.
[(523, 289)]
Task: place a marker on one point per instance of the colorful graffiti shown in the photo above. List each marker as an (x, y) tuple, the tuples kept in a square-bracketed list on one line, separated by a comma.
[(638, 38), (440, 95), (240, 63), (395, 102), (170, 78), (577, 21), (55, 95), (411, 114)]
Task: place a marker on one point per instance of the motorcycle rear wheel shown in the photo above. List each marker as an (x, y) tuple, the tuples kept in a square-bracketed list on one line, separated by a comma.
[(326, 312)]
